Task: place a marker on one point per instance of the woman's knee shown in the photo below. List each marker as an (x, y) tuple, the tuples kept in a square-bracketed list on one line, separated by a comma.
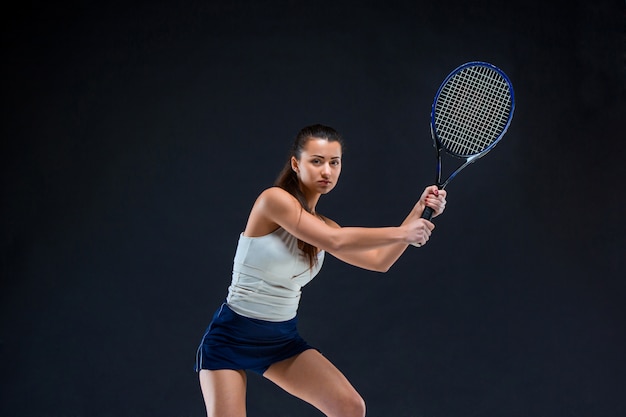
[(359, 407), (351, 406)]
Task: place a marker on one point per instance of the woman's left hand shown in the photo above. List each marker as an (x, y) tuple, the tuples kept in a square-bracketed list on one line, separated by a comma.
[(434, 198)]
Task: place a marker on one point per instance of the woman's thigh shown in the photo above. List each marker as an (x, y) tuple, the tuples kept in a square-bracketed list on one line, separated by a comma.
[(314, 379), (224, 392)]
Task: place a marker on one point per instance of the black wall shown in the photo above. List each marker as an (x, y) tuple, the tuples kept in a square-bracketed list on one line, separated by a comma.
[(136, 135)]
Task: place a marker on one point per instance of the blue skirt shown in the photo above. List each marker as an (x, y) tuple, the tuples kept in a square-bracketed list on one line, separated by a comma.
[(236, 342)]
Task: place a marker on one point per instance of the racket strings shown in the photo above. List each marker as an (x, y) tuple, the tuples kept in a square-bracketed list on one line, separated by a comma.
[(472, 110)]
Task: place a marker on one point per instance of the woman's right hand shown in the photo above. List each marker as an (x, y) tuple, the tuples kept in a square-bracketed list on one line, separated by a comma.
[(418, 231)]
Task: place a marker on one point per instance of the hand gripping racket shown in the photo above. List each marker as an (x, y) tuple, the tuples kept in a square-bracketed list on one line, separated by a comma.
[(471, 112)]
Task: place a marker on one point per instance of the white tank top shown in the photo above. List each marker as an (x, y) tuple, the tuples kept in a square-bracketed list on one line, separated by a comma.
[(268, 274)]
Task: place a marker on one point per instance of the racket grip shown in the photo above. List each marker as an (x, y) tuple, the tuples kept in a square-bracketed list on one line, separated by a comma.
[(428, 213)]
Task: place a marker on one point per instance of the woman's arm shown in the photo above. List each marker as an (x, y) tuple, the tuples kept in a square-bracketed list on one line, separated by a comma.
[(277, 206), (382, 258)]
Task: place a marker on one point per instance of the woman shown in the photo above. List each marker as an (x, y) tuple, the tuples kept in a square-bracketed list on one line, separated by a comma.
[(281, 249)]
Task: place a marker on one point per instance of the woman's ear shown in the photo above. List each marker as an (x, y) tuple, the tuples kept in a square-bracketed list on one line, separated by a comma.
[(294, 165)]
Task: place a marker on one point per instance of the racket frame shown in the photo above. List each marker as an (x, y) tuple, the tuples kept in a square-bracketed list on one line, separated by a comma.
[(437, 143)]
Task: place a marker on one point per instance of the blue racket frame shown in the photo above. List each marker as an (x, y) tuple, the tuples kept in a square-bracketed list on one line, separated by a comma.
[(437, 140)]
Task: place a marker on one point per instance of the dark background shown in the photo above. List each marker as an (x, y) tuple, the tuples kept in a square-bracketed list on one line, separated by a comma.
[(136, 135)]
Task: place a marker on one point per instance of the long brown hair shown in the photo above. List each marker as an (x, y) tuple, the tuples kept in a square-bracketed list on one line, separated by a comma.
[(288, 179)]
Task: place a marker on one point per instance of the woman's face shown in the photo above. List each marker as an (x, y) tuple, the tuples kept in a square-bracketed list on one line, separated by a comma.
[(319, 166)]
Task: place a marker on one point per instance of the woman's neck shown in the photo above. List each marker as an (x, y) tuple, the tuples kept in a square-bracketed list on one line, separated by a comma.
[(311, 199)]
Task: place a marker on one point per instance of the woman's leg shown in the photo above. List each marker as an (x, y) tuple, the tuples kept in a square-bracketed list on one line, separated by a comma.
[(312, 378), (224, 392)]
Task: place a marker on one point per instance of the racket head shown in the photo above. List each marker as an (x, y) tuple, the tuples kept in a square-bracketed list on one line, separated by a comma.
[(472, 110)]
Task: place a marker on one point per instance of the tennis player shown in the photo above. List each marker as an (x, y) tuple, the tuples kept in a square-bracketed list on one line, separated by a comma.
[(281, 249)]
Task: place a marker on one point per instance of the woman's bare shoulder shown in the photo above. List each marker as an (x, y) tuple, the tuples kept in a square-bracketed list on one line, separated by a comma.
[(275, 196), (269, 207)]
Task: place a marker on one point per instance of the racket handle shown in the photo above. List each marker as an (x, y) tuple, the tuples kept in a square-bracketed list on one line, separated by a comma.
[(428, 213)]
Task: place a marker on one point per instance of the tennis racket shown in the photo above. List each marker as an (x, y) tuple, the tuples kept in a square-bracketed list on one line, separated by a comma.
[(471, 112)]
